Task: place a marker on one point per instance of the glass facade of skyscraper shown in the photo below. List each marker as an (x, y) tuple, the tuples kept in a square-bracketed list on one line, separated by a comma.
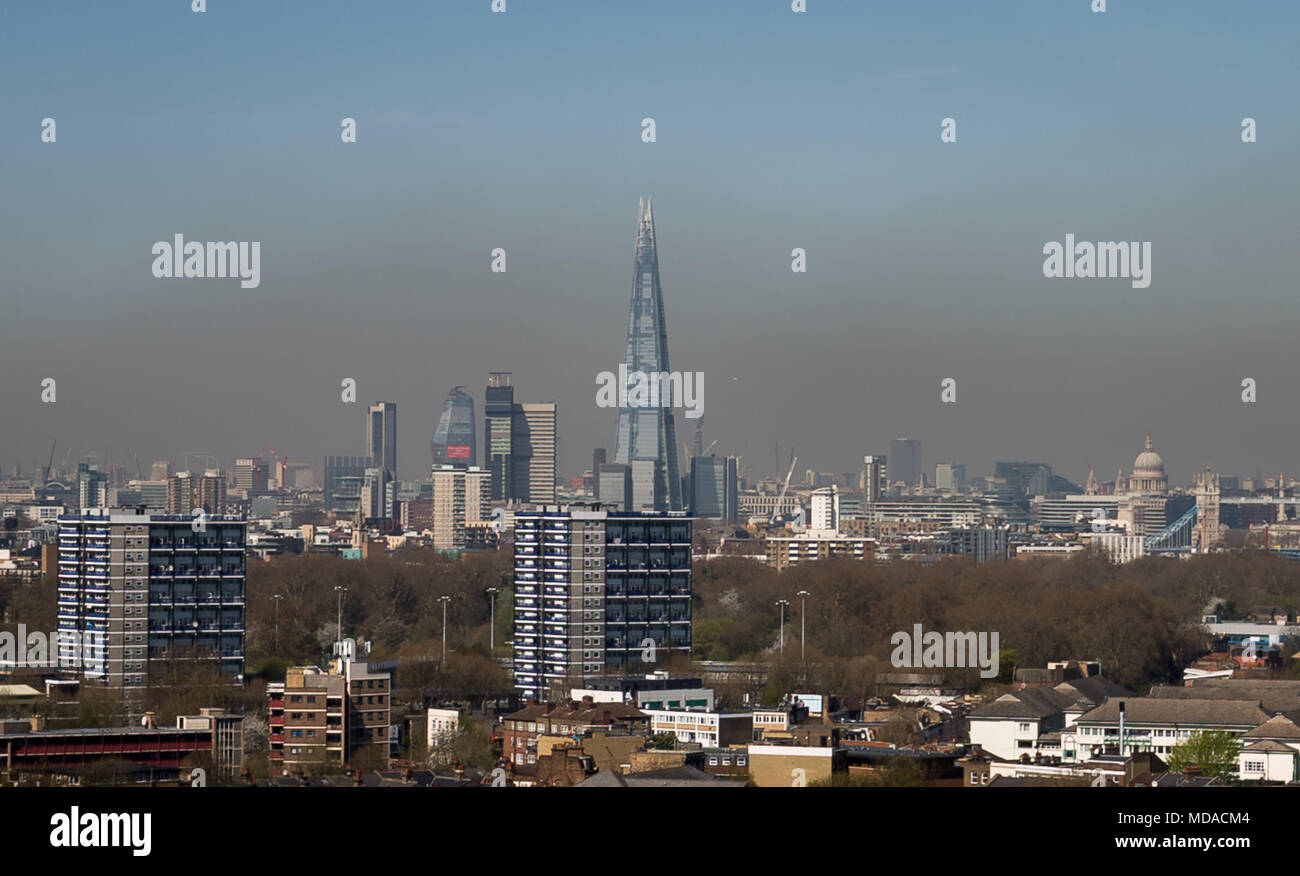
[(648, 435), (455, 441)]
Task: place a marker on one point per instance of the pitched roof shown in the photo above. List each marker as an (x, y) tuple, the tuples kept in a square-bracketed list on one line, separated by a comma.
[(673, 777), (1094, 689), (1277, 727), (1274, 695), (1032, 702), (1158, 710), (1269, 745), (597, 714)]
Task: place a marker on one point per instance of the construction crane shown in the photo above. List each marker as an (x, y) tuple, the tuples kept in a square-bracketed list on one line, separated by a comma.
[(776, 509), (687, 452), (49, 466)]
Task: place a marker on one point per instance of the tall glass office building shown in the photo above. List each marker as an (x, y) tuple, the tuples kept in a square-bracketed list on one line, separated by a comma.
[(454, 441), (648, 435)]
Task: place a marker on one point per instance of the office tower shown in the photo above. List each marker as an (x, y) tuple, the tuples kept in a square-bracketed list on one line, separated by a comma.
[(298, 476), (381, 435), (330, 716), (454, 441), (342, 481), (185, 493), (519, 443), (611, 583), (160, 471), (537, 454), (498, 433), (597, 460), (377, 494), (461, 497), (950, 476), (714, 491), (905, 461), (157, 590), (92, 486), (647, 485), (615, 482), (153, 494), (1026, 478), (252, 475), (648, 433), (733, 490), (875, 477)]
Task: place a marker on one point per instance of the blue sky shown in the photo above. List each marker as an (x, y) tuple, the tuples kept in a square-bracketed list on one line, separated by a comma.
[(775, 130)]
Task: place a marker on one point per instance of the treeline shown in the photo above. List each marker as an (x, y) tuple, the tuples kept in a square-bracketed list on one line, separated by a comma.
[(393, 601), (1141, 620)]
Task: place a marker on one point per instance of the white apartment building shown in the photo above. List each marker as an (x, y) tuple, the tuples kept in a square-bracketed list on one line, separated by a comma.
[(707, 728)]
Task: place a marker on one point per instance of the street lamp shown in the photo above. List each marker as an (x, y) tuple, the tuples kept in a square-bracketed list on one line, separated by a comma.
[(492, 629), (782, 603), (276, 647), (803, 629), (340, 590), (444, 600)]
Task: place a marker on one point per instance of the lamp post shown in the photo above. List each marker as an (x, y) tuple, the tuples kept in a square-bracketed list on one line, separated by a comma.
[(492, 629), (340, 590), (276, 647), (444, 600), (782, 603), (803, 628)]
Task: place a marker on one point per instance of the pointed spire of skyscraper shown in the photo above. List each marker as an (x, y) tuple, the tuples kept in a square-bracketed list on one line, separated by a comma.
[(647, 436)]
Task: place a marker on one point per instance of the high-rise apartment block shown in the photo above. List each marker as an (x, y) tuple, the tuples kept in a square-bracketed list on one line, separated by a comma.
[(461, 498), (875, 477), (252, 475), (156, 589), (598, 592), (92, 486), (538, 455), (187, 492)]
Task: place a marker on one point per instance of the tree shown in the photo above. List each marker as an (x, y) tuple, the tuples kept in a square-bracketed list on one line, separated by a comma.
[(664, 741), (1214, 752)]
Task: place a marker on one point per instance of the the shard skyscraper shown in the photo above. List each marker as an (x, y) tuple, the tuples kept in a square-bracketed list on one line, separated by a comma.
[(647, 436)]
